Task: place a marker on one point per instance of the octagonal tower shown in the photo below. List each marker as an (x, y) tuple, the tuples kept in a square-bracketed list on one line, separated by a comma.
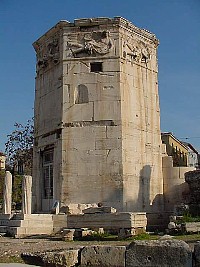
[(97, 117)]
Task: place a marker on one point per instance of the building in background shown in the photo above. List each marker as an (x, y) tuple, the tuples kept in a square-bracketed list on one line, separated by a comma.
[(176, 149), (193, 156), (2, 161)]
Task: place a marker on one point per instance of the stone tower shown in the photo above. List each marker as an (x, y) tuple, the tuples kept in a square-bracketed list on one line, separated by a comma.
[(97, 117)]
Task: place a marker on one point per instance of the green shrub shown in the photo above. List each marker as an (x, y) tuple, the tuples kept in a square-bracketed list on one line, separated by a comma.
[(187, 217), (97, 237)]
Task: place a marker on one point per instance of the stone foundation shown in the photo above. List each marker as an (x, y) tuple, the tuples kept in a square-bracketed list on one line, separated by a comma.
[(108, 221)]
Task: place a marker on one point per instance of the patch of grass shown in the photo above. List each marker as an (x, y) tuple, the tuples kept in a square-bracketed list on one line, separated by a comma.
[(109, 237), (187, 237), (143, 236), (187, 217), (98, 237), (11, 259)]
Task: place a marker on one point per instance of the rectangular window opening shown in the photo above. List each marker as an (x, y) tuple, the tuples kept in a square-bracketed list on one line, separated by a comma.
[(96, 66), (48, 174)]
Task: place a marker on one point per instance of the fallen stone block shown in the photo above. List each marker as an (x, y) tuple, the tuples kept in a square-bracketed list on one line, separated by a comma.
[(105, 256), (155, 253), (69, 258), (192, 227), (128, 232), (197, 254), (68, 234)]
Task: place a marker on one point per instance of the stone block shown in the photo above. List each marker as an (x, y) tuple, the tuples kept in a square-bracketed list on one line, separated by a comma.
[(59, 222), (68, 258), (84, 143), (82, 232), (105, 256), (107, 110), (86, 79), (192, 227), (166, 253), (114, 131), (197, 254), (79, 112), (108, 221), (111, 66), (68, 234), (108, 92), (103, 144), (90, 168), (99, 210)]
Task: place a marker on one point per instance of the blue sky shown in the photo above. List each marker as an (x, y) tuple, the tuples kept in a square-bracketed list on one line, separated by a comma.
[(176, 24)]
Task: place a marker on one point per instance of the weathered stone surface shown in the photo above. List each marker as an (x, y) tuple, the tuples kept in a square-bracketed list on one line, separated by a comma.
[(104, 256), (68, 234), (103, 125), (26, 194), (126, 220), (197, 254), (99, 210), (166, 237), (192, 227), (193, 180), (166, 253), (68, 258), (7, 193), (22, 225), (176, 190)]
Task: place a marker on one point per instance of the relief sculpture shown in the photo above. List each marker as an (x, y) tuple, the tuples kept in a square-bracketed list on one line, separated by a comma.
[(138, 52), (47, 54), (91, 44)]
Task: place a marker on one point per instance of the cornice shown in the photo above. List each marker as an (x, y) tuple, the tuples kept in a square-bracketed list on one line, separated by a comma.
[(89, 22)]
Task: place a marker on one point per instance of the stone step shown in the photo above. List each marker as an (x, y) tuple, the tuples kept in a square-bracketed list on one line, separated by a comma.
[(26, 231), (4, 222), (46, 217), (5, 216), (60, 221), (30, 223), (3, 229)]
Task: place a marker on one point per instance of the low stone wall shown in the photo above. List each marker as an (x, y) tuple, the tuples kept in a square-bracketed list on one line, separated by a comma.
[(166, 253), (176, 190), (108, 221)]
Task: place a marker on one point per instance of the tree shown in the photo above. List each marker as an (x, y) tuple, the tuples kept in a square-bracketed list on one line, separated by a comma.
[(19, 147)]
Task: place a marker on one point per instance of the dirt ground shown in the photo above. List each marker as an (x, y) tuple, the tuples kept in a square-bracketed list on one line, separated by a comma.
[(11, 248)]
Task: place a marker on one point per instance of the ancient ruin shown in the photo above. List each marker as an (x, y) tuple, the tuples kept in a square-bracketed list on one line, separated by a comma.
[(7, 195), (98, 157), (97, 117)]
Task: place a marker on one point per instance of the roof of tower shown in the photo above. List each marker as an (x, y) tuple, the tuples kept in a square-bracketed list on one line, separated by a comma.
[(88, 22)]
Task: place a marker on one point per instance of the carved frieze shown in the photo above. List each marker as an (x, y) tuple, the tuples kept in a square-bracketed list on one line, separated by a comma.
[(48, 53), (89, 44), (137, 51)]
